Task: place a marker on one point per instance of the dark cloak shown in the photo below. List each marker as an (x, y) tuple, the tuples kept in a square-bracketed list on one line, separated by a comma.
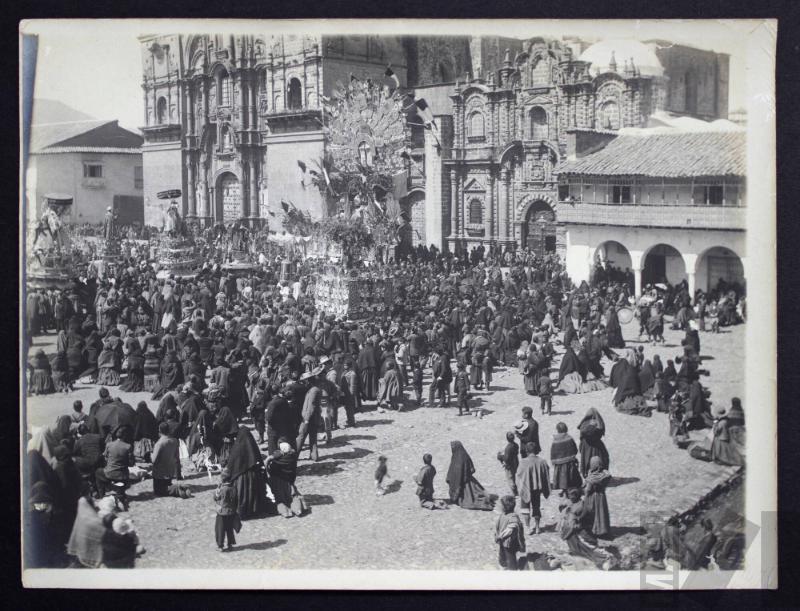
[(592, 429), (618, 371), (628, 387), (465, 490), (570, 363), (146, 424)]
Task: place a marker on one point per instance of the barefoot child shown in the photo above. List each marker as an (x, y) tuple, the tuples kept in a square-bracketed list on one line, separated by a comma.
[(424, 481), (416, 378), (462, 389), (509, 536), (509, 458), (227, 511), (546, 394)]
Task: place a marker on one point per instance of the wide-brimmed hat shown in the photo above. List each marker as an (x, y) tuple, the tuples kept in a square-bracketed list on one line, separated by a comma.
[(521, 427), (324, 359)]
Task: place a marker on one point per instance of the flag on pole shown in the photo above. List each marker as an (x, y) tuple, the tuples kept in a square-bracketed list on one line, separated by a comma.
[(424, 111)]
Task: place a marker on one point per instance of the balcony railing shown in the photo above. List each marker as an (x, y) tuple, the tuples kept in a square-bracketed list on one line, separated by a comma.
[(93, 183), (630, 215)]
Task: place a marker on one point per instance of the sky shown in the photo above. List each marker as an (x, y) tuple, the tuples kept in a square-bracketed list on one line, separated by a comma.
[(95, 65)]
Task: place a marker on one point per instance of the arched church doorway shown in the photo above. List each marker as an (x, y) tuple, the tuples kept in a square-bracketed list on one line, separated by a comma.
[(228, 198), (539, 228)]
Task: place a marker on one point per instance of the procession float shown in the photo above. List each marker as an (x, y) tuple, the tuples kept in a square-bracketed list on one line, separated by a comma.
[(177, 254), (236, 244), (367, 142), (50, 262)]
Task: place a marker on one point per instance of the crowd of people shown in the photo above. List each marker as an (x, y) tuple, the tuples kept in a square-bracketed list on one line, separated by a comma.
[(222, 350)]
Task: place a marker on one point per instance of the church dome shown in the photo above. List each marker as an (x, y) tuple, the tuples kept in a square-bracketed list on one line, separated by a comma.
[(604, 54)]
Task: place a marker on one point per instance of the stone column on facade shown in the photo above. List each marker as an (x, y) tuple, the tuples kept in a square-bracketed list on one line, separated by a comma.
[(254, 88), (455, 215), (191, 180), (255, 213), (243, 122), (488, 224), (502, 210)]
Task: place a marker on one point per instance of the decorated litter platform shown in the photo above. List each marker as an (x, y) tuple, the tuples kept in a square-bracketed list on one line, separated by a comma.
[(353, 296)]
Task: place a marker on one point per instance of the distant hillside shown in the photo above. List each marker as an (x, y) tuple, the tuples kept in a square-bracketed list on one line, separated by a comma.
[(53, 111)]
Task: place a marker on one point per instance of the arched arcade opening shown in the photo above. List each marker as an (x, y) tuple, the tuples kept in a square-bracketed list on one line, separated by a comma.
[(663, 264), (720, 269), (612, 263)]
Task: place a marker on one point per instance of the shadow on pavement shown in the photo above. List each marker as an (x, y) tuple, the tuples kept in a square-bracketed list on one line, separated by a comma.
[(260, 546), (354, 453), (621, 481), (318, 499), (320, 468), (617, 531), (374, 422), (394, 486)]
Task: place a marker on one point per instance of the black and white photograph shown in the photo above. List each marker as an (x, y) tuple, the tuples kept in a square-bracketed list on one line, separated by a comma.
[(462, 305)]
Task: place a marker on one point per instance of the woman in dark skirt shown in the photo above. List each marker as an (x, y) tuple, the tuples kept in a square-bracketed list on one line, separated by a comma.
[(135, 379), (152, 367), (59, 371), (532, 371), (246, 468), (597, 479), (563, 456), (145, 433), (108, 366), (226, 430), (282, 470), (171, 375), (41, 380), (592, 429), (91, 354), (465, 490)]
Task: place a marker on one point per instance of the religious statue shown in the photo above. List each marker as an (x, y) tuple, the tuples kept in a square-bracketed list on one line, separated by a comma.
[(110, 225), (174, 226), (49, 231)]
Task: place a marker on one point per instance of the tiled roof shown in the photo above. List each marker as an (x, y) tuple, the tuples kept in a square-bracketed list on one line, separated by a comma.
[(52, 150), (92, 134), (668, 155)]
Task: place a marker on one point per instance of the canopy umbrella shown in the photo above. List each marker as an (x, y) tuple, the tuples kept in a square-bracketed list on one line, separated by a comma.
[(112, 415)]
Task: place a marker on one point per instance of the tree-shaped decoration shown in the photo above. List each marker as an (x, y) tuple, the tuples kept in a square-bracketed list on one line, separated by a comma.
[(366, 133)]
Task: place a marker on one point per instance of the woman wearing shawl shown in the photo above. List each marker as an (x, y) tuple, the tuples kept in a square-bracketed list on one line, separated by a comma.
[(465, 491), (597, 479), (368, 368), (59, 371), (563, 456), (135, 379), (202, 442), (575, 527), (728, 447), (151, 368), (225, 429), (190, 408), (658, 366), (647, 379), (613, 330), (42, 548), (282, 470), (509, 535), (533, 370), (168, 402), (46, 439), (247, 475), (70, 489), (572, 371), (41, 382), (698, 412), (171, 375), (592, 429), (618, 371), (145, 433), (91, 355), (628, 398), (108, 365), (390, 392)]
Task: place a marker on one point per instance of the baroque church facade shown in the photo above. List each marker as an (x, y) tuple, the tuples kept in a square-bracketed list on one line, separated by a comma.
[(227, 117), (510, 129)]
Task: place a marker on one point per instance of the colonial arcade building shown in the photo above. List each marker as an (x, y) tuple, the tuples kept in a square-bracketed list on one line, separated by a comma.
[(510, 130)]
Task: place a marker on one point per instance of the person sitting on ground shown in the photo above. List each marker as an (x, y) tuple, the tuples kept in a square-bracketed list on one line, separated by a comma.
[(166, 461), (424, 480)]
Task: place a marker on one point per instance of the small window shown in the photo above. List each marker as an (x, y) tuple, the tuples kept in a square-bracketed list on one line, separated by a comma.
[(715, 195), (161, 110), (563, 193), (621, 194), (538, 124), (92, 170), (138, 178), (295, 95), (476, 126), (609, 115), (475, 212), (225, 90)]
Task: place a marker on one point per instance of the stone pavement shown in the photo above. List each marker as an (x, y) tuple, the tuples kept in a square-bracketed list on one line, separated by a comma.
[(350, 528)]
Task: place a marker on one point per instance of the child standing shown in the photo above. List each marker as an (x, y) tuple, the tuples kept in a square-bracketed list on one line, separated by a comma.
[(462, 389), (546, 394), (416, 378), (227, 511), (509, 536), (509, 458), (380, 474)]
